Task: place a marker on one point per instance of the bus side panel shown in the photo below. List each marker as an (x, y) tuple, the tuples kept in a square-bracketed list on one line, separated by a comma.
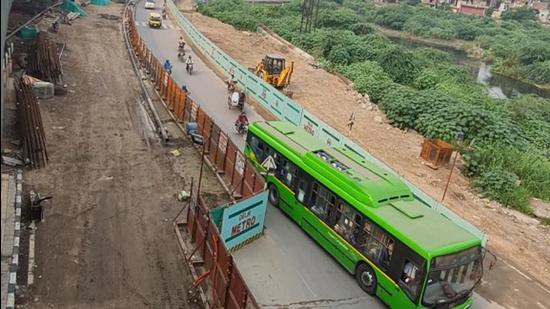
[(386, 291), (323, 236), (286, 199)]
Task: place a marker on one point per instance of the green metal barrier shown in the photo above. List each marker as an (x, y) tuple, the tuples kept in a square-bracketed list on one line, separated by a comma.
[(286, 109)]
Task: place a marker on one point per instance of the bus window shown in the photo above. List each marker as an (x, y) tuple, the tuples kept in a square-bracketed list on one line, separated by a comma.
[(410, 279), (345, 224), (376, 244), (301, 190), (258, 147), (334, 211), (321, 201)]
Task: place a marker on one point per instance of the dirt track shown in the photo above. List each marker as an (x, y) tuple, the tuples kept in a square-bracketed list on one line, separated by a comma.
[(107, 240), (513, 236)]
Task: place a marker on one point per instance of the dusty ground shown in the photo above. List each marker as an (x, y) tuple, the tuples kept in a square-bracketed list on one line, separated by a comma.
[(107, 240), (513, 236)]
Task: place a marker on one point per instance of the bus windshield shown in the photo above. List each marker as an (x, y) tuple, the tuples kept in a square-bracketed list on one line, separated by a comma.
[(452, 277)]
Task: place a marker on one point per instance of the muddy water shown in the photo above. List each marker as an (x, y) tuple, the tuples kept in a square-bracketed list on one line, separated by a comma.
[(498, 86)]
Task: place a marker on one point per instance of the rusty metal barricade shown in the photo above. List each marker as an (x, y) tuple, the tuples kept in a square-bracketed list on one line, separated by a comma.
[(228, 288)]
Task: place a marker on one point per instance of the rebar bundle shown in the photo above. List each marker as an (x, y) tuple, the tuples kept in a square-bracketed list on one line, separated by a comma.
[(43, 61), (30, 125)]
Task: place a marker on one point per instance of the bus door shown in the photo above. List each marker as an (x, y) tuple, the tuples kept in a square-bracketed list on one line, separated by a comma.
[(407, 270), (301, 192)]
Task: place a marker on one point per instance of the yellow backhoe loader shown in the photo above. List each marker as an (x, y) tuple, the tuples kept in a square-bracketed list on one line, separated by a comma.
[(273, 70)]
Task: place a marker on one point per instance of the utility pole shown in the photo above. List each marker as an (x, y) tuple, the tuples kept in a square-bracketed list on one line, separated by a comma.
[(459, 139)]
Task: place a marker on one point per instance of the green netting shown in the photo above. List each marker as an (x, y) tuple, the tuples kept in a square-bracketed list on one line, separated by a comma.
[(28, 32), (71, 6), (101, 2)]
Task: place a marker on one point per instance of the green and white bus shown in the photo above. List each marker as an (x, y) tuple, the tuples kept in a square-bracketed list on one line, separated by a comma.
[(367, 219)]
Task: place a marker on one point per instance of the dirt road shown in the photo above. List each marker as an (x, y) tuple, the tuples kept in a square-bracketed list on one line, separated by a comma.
[(514, 237), (107, 240)]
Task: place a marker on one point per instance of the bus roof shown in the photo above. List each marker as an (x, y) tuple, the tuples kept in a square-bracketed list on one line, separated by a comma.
[(372, 190)]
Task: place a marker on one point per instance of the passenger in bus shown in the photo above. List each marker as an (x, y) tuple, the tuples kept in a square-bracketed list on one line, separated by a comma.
[(386, 253), (334, 213), (355, 232), (410, 278)]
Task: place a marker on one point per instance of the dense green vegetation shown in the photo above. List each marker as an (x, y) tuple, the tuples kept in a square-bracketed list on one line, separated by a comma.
[(506, 144)]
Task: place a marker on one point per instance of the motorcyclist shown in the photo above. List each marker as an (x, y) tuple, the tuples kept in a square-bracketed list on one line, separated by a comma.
[(184, 88), (188, 63), (230, 82), (168, 66), (241, 122), (181, 43)]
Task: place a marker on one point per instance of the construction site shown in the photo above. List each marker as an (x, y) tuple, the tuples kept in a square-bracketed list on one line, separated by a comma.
[(140, 172)]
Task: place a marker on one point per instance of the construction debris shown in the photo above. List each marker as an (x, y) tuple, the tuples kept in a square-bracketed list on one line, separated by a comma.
[(44, 60)]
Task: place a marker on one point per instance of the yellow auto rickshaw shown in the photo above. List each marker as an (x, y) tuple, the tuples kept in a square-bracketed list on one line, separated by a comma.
[(155, 21)]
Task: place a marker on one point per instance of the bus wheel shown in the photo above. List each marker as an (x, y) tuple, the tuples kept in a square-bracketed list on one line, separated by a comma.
[(273, 195), (366, 278)]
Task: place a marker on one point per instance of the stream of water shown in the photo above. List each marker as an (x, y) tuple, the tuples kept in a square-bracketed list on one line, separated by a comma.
[(498, 86)]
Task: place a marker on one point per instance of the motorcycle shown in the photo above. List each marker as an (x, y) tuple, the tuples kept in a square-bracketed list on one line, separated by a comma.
[(241, 128), (181, 56), (235, 100), (189, 68)]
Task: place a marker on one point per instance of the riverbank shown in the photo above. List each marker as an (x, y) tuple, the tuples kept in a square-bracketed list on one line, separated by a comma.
[(471, 50)]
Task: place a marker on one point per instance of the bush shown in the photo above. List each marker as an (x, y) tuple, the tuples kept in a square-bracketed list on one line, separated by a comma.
[(503, 186), (534, 52), (399, 64), (339, 19), (427, 79), (362, 28), (532, 169), (339, 55), (368, 78), (537, 72)]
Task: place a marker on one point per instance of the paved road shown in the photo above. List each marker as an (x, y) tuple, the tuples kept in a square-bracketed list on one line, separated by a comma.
[(298, 271), (205, 86)]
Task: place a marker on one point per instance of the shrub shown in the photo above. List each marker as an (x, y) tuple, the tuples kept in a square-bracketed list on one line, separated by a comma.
[(503, 186), (362, 28), (399, 64), (537, 72)]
